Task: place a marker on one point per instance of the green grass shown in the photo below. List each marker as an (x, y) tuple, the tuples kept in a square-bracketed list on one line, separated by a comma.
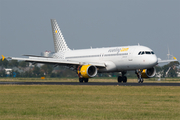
[(89, 102)]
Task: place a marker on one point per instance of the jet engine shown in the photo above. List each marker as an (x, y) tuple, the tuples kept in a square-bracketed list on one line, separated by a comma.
[(148, 73), (86, 71)]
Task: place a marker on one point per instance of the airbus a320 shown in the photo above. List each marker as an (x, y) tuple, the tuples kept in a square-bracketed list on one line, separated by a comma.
[(88, 62)]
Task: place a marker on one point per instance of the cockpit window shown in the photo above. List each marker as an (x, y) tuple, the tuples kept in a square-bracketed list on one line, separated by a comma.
[(152, 52), (145, 52)]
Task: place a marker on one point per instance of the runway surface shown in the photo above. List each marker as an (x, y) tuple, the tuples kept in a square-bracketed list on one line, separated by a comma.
[(90, 83)]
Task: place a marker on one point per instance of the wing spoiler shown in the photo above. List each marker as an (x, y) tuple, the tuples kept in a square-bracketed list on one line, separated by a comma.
[(56, 61)]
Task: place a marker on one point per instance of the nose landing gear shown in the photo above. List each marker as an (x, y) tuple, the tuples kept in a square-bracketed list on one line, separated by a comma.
[(138, 73)]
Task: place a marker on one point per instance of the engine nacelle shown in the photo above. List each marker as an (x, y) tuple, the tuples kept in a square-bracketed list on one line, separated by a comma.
[(148, 73), (86, 71)]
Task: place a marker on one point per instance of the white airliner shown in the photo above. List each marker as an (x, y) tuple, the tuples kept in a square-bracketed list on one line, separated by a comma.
[(88, 62)]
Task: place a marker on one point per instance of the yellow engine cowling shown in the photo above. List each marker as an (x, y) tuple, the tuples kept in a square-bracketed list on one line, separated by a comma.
[(86, 71), (148, 73)]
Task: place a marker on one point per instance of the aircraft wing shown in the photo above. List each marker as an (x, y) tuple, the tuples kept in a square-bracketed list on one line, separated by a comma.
[(166, 61), (56, 61)]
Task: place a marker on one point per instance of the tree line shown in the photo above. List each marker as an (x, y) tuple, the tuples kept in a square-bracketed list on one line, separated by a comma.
[(22, 69)]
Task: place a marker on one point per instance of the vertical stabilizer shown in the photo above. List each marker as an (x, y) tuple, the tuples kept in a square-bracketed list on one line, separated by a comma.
[(59, 41)]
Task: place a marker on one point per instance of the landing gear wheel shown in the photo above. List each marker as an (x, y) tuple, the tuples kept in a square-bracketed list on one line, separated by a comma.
[(124, 79), (85, 80), (81, 80), (119, 79)]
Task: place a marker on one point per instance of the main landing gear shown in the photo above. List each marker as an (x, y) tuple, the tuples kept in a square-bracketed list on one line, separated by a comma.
[(122, 78), (140, 79), (81, 80)]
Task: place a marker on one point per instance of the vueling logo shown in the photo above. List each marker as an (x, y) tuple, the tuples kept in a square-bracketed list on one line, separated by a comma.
[(118, 50), (124, 49)]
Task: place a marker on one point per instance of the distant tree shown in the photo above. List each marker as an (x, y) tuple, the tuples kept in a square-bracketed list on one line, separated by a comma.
[(53, 75), (4, 63), (13, 63), (23, 64), (28, 74), (36, 71), (47, 69), (173, 70), (67, 73), (2, 73), (158, 68)]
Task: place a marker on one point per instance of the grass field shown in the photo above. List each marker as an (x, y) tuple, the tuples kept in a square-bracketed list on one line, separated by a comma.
[(89, 102)]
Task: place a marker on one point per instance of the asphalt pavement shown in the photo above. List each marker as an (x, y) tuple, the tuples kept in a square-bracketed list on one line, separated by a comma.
[(90, 83)]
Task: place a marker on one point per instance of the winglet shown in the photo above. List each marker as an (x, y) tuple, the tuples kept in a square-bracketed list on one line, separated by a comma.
[(174, 58), (3, 57)]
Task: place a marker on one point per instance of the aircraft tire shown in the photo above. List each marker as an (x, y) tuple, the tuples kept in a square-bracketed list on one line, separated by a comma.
[(81, 80), (124, 79), (85, 80), (120, 79)]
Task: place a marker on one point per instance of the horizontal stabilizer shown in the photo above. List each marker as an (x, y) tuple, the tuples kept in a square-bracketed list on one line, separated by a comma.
[(37, 56)]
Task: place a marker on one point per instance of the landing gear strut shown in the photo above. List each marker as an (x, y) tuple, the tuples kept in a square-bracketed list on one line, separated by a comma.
[(122, 78), (140, 79), (83, 79)]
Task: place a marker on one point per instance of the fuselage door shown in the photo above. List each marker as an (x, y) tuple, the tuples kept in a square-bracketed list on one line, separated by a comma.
[(101, 56), (130, 54)]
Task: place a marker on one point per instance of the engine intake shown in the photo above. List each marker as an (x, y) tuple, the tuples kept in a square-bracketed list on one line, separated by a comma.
[(148, 73), (86, 71)]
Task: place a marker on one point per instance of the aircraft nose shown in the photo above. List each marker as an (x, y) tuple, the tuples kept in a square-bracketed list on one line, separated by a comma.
[(153, 60)]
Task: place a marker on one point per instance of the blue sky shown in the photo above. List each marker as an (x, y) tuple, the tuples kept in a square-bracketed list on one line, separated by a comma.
[(25, 25)]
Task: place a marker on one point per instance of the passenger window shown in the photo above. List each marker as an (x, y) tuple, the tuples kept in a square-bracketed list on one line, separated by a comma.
[(139, 53)]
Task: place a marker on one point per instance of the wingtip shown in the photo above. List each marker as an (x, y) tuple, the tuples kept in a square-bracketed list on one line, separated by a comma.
[(3, 57), (175, 58)]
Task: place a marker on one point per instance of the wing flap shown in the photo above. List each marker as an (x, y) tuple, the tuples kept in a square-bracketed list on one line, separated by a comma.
[(57, 61)]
